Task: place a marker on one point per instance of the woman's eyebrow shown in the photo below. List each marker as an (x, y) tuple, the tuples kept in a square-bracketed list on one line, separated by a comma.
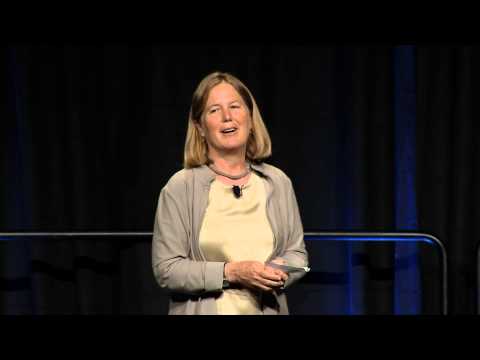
[(216, 104), (212, 105)]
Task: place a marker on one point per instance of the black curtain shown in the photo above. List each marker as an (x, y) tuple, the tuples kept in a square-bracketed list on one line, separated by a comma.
[(448, 179), (92, 133), (102, 127)]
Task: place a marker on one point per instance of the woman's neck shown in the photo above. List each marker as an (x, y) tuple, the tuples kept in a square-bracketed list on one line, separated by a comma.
[(232, 166), (229, 163)]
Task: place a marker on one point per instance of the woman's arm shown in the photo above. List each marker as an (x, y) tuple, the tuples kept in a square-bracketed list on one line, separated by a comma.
[(172, 266), (295, 253)]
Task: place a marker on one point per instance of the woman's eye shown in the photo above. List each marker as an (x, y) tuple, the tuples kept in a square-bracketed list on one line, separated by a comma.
[(235, 106), (212, 111)]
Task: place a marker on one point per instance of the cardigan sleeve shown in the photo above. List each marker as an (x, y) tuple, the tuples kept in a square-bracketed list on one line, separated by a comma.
[(295, 252), (172, 267)]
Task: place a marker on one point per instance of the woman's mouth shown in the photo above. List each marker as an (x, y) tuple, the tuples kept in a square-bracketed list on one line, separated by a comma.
[(230, 130)]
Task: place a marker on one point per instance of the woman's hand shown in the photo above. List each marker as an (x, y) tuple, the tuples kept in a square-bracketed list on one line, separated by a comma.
[(255, 275)]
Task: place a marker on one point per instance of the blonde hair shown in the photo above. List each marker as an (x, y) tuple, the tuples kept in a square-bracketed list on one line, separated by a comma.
[(259, 145)]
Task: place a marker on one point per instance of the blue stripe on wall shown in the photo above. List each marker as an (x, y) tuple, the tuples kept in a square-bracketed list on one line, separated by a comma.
[(407, 278)]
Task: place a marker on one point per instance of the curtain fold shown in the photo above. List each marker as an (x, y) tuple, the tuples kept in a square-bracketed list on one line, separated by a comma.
[(447, 162)]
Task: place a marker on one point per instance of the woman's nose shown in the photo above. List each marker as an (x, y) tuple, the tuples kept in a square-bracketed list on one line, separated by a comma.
[(226, 115)]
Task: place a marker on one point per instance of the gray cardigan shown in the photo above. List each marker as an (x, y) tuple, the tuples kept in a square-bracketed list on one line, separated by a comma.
[(178, 262)]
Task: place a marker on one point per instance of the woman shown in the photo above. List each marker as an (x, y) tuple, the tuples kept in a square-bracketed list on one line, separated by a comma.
[(226, 215)]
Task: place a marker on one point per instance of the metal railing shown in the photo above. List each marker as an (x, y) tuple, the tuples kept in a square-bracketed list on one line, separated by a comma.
[(391, 237), (309, 236)]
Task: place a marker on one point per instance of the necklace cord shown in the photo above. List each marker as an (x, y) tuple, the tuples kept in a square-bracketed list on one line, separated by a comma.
[(231, 177)]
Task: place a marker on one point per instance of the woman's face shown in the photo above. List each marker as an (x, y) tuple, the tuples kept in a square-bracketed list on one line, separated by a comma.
[(226, 122)]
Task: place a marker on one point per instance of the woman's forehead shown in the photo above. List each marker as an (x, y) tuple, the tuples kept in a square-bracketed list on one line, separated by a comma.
[(223, 92)]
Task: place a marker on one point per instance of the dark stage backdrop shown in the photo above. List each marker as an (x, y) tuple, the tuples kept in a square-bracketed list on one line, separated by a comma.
[(448, 161), (375, 138)]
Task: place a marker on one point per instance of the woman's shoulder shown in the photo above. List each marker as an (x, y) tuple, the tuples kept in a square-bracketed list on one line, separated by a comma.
[(273, 171), (177, 181), (182, 177)]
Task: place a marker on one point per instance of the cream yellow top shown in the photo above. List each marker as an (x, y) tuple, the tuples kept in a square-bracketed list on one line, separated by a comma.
[(237, 230)]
